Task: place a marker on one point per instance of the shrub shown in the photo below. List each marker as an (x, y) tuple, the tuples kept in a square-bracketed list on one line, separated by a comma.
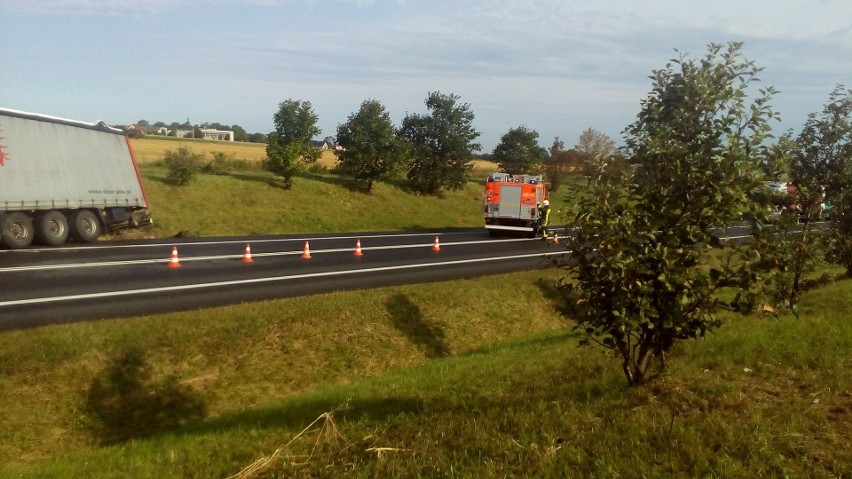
[(183, 165)]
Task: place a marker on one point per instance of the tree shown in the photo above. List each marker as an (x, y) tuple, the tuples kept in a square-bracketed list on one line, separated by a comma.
[(519, 151), (559, 163), (289, 146), (822, 171), (593, 143), (370, 148), (240, 133), (819, 164), (258, 138), (441, 143), (640, 277)]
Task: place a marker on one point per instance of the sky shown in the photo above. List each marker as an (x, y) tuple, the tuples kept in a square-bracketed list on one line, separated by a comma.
[(557, 67)]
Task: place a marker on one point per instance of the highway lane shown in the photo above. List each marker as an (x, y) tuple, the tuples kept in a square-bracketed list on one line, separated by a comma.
[(116, 279)]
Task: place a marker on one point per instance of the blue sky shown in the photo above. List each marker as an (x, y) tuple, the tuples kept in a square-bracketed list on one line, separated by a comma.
[(554, 66)]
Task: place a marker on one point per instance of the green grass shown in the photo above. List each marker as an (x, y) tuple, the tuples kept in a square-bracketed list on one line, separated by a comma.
[(471, 378), (253, 203), (452, 379)]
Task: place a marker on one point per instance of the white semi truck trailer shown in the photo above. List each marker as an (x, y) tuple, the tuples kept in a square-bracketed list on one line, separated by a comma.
[(62, 179)]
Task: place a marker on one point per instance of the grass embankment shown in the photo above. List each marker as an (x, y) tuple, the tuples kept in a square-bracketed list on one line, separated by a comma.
[(250, 200), (473, 378), (443, 380)]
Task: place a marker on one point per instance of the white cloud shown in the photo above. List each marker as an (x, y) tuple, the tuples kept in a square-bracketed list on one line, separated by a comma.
[(548, 64)]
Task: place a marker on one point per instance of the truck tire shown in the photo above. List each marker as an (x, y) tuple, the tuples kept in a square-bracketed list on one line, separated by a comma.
[(51, 228), (85, 226), (17, 230)]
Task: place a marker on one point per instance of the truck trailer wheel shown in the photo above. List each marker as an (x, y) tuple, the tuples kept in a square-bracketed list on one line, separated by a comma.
[(51, 228), (17, 229), (85, 226)]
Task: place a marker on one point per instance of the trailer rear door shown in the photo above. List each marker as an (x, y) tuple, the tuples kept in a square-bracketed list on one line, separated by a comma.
[(510, 201)]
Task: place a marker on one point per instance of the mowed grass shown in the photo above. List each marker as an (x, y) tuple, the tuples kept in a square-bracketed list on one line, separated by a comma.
[(440, 380), (251, 201)]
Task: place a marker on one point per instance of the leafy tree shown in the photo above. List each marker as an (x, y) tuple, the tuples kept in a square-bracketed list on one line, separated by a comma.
[(560, 163), (239, 133), (593, 143), (174, 127), (519, 151), (289, 146), (371, 149), (258, 138), (441, 143), (819, 164), (640, 277), (217, 126), (822, 170)]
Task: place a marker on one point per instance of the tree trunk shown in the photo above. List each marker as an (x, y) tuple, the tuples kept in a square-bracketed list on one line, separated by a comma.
[(636, 369)]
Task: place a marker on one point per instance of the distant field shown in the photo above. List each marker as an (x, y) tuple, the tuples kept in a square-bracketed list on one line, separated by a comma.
[(152, 149)]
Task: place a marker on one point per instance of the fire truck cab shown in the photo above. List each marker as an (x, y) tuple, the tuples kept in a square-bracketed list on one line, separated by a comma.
[(513, 203)]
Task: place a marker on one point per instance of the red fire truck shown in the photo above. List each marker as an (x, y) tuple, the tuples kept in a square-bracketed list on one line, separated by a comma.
[(513, 203)]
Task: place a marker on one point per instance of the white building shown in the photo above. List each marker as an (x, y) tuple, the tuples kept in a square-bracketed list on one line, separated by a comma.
[(219, 135)]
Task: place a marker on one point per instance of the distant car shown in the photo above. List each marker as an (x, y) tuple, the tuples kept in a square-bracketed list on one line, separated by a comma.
[(779, 187), (774, 195)]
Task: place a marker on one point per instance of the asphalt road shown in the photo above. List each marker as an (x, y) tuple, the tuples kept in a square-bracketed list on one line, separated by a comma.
[(116, 279), (42, 286)]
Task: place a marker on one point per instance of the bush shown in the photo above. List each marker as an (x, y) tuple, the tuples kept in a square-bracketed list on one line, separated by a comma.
[(183, 165)]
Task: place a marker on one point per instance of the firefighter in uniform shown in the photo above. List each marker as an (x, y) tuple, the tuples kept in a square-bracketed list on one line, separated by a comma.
[(544, 218)]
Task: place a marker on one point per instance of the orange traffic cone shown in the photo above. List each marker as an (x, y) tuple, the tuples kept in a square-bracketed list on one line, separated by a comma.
[(247, 255), (436, 246), (174, 262), (307, 253), (358, 249)]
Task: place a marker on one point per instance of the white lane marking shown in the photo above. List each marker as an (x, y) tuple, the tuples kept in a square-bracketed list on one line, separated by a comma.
[(47, 267), (188, 287), (214, 242)]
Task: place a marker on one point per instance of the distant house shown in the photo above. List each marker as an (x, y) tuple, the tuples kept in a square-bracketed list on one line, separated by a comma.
[(218, 135), (322, 144)]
